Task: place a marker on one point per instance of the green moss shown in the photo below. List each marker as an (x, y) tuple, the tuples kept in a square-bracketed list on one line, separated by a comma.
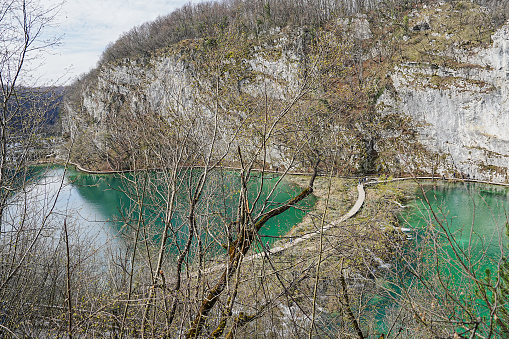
[(273, 54), (435, 81), (489, 153)]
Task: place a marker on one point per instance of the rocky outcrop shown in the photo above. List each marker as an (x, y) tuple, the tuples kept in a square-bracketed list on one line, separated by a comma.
[(464, 105), (175, 84), (465, 108)]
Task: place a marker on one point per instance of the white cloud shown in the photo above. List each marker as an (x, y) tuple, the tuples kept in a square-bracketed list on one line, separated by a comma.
[(87, 27)]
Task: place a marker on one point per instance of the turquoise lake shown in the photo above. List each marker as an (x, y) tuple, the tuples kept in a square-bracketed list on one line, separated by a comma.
[(99, 205), (474, 215)]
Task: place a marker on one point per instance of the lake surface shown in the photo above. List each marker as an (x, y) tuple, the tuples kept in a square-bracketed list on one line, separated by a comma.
[(474, 215), (474, 218), (100, 206)]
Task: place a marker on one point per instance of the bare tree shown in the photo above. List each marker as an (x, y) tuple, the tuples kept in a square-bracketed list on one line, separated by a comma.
[(191, 267), (29, 257)]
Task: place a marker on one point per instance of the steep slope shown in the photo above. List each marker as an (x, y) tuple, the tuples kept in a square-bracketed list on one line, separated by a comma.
[(195, 80), (461, 98), (368, 83)]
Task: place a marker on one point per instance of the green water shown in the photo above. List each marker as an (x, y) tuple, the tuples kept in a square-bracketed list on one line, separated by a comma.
[(471, 240), (103, 205), (473, 215)]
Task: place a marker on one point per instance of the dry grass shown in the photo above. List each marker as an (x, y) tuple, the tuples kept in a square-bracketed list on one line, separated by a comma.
[(452, 26)]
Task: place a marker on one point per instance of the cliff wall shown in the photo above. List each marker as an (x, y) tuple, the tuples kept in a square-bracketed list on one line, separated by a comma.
[(180, 84), (462, 102), (465, 109)]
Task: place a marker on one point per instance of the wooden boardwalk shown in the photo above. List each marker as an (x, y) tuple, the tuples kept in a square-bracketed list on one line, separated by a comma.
[(274, 250), (355, 208)]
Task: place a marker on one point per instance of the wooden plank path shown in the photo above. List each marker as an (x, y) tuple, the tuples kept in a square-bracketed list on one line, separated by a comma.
[(355, 208), (437, 178)]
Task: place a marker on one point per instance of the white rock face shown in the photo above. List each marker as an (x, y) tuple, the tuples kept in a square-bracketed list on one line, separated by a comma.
[(171, 87), (466, 110), (358, 27)]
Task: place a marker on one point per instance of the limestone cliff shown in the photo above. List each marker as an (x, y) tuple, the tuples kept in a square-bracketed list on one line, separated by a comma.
[(179, 82), (465, 106), (453, 76)]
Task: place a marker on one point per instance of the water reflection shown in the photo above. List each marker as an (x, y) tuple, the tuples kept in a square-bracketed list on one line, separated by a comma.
[(98, 207), (474, 214)]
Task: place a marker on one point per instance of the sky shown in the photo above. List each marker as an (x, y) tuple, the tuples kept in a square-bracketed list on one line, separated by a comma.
[(86, 27)]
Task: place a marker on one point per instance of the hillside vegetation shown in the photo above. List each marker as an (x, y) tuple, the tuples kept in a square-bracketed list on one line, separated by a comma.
[(260, 16), (339, 63), (280, 86)]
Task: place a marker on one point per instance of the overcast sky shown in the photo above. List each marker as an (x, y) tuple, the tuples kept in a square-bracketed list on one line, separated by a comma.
[(87, 27)]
